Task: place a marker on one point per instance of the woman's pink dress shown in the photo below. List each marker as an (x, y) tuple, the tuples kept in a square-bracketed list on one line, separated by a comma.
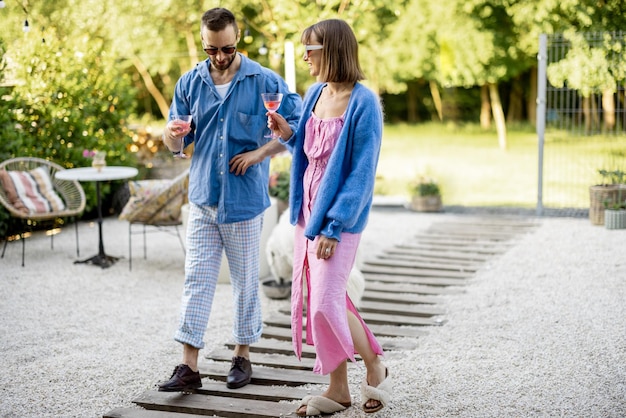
[(327, 299)]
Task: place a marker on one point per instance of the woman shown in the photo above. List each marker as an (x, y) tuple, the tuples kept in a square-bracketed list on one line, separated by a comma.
[(335, 152)]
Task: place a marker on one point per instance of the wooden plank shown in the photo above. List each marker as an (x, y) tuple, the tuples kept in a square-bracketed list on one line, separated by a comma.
[(278, 332), (416, 257), (277, 347), (146, 413), (398, 308), (462, 241), (267, 359), (396, 319), (278, 320), (396, 344), (390, 262), (496, 220), (385, 319), (374, 296), (284, 332), (494, 225), (397, 332), (452, 253), (267, 376), (257, 392), (413, 272), (212, 405), (379, 275), (469, 247), (472, 232), (417, 289)]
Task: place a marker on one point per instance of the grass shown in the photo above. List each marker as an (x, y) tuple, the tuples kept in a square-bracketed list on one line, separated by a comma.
[(473, 171)]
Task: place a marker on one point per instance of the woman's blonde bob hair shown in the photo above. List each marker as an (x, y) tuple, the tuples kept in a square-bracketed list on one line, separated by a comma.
[(340, 55)]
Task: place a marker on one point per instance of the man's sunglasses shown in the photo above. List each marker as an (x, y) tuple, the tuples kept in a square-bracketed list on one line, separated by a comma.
[(228, 50)]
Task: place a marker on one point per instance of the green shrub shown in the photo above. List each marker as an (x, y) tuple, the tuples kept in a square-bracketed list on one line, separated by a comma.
[(65, 97)]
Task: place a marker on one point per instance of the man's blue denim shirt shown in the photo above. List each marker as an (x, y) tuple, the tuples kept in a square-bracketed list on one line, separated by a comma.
[(223, 128)]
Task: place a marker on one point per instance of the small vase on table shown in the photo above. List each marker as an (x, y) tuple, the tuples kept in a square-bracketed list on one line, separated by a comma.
[(99, 161)]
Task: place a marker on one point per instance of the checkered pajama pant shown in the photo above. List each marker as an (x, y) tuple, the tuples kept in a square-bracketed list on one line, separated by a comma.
[(205, 241)]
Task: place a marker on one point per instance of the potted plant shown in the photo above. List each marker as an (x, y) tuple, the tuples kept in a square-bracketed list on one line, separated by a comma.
[(425, 195), (615, 209), (604, 195)]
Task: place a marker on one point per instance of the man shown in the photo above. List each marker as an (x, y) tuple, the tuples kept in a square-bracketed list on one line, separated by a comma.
[(228, 183)]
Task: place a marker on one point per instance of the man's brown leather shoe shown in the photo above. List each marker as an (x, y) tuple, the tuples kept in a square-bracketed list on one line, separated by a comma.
[(240, 373), (182, 379)]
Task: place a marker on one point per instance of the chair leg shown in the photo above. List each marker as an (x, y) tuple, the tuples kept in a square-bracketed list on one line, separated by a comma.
[(180, 238), (77, 245), (4, 247), (23, 247)]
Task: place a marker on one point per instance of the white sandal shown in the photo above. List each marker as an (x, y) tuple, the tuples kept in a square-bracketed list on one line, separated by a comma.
[(320, 405), (380, 393)]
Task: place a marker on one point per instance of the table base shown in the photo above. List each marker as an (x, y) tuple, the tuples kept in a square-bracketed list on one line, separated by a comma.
[(102, 260)]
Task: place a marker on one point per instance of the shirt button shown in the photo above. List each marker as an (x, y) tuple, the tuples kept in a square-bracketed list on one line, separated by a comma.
[(221, 173), (221, 155)]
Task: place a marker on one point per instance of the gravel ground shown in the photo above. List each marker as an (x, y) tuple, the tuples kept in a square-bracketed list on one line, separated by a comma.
[(539, 331)]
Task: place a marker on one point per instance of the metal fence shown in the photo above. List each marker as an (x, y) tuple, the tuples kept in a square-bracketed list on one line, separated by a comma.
[(580, 129)]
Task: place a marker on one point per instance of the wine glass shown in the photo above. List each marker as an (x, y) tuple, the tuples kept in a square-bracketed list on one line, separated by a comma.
[(179, 123), (271, 101)]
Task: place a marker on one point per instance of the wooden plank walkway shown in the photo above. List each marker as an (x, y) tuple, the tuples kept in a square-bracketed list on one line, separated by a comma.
[(403, 297)]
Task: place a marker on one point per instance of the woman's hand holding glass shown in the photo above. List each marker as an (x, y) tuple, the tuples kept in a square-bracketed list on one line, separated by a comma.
[(178, 127), (278, 125)]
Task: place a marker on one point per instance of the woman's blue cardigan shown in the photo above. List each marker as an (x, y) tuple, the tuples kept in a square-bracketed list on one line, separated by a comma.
[(345, 194)]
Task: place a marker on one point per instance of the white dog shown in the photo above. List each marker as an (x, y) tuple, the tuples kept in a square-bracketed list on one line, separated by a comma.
[(279, 252)]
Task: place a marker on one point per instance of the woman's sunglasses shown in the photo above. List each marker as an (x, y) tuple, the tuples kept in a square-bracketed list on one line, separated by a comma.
[(228, 50), (309, 48)]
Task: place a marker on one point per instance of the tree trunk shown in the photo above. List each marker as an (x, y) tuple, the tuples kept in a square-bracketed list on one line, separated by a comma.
[(516, 99), (608, 110), (411, 102), (485, 107), (595, 118), (498, 114), (164, 106), (434, 92)]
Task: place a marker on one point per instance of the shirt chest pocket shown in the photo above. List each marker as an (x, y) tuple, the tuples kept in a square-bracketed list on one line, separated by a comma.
[(248, 130)]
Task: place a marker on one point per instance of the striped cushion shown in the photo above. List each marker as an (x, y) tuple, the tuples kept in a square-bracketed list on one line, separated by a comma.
[(31, 191)]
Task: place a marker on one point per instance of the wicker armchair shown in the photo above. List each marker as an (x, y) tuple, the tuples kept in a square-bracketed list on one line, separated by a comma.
[(70, 191)]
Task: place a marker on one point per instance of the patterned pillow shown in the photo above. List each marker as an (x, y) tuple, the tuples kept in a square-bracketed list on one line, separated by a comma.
[(31, 191), (153, 202)]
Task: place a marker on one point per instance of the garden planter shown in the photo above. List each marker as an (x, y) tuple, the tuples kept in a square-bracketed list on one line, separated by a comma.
[(599, 196), (426, 203), (615, 219)]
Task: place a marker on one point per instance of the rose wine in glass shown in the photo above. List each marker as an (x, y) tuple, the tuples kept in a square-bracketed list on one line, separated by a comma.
[(271, 101), (180, 123)]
